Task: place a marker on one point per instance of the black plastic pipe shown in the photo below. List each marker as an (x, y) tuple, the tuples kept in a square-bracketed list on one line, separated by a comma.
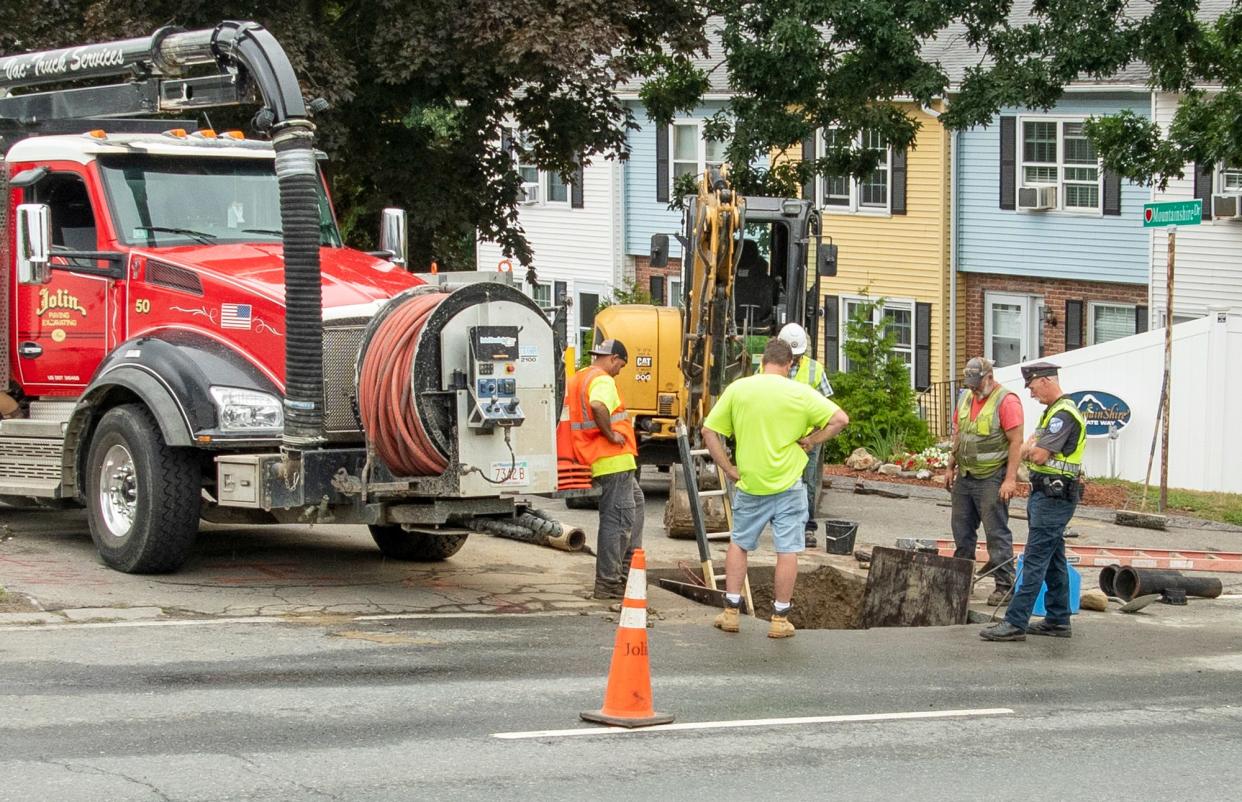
[(1130, 583), (1108, 579)]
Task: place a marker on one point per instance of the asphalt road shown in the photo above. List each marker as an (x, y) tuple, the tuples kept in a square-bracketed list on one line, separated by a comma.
[(1142, 707)]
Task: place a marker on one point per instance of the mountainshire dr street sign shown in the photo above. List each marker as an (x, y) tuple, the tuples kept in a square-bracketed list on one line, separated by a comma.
[(1173, 213)]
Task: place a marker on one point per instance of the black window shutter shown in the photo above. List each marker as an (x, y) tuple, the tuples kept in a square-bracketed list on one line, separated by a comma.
[(1140, 319), (922, 346), (832, 333), (506, 140), (575, 193), (662, 135), (1008, 161), (898, 205), (1112, 193), (1203, 187), (657, 290), (808, 155), (1073, 325)]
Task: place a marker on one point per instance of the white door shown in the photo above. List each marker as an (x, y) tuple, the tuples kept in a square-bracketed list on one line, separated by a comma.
[(1011, 328)]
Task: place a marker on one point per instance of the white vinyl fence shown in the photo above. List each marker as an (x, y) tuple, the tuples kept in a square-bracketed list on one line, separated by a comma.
[(1205, 437)]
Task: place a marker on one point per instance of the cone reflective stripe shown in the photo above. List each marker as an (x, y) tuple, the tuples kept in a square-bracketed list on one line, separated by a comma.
[(627, 700)]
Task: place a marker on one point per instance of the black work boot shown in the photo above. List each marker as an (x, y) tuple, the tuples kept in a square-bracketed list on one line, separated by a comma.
[(1046, 627), (608, 590), (1004, 631)]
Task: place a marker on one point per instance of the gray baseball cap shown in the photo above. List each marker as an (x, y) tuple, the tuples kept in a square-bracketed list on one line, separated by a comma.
[(976, 368)]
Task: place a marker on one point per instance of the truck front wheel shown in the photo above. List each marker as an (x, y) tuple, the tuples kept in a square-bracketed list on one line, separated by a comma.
[(397, 544), (142, 496)]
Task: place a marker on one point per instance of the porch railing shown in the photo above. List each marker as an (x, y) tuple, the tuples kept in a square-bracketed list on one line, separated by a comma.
[(936, 405)]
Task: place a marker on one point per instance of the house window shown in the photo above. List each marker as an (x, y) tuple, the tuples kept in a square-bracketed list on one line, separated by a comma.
[(1230, 180), (896, 317), (869, 193), (674, 292), (691, 153), (542, 295), (1109, 322), (539, 187), (1057, 153)]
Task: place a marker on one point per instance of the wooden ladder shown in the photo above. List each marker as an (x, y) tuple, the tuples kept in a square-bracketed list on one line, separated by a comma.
[(690, 458)]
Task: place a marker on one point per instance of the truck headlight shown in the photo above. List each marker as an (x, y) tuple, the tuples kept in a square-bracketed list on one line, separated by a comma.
[(241, 410)]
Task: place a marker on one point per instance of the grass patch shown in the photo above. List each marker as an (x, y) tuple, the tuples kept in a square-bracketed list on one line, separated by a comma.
[(1223, 507)]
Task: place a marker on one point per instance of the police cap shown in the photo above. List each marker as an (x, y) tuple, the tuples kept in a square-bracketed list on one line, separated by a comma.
[(1036, 369)]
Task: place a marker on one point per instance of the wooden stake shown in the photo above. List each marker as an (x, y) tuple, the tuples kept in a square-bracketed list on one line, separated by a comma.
[(1168, 373)]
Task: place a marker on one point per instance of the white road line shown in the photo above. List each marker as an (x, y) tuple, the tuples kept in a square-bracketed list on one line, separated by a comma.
[(757, 722), (305, 618)]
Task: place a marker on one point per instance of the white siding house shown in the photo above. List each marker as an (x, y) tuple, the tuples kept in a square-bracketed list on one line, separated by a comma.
[(577, 249), (1208, 261)]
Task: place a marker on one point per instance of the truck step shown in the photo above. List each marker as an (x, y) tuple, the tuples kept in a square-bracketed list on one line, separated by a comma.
[(58, 410)]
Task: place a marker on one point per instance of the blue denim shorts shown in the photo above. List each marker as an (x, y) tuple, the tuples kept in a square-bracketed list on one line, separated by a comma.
[(786, 511)]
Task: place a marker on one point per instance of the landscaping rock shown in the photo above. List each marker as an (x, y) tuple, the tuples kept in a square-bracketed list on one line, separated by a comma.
[(923, 474), (1093, 600), (860, 460), (889, 469), (908, 475)]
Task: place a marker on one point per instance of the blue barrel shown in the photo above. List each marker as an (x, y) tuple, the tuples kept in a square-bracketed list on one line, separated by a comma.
[(1075, 585)]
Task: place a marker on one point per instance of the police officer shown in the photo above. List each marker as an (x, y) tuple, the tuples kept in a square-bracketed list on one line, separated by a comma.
[(806, 370), (1053, 455)]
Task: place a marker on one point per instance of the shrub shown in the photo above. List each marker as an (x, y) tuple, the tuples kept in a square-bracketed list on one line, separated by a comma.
[(875, 392)]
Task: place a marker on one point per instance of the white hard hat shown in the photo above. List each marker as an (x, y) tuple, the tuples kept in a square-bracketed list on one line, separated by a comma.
[(795, 335)]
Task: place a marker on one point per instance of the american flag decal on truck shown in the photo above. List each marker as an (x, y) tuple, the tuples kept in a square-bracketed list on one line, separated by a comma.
[(235, 316)]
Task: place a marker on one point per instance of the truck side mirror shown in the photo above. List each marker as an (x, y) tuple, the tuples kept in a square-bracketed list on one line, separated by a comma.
[(659, 250), (826, 260), (34, 243), (393, 237)]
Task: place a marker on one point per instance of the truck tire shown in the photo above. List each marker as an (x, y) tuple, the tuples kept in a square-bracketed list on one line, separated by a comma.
[(142, 496), (397, 544)]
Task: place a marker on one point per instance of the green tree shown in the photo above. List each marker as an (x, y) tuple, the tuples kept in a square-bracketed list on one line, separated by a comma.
[(875, 392), (798, 66), (420, 89)]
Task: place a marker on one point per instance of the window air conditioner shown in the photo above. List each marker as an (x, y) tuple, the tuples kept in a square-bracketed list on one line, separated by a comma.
[(1035, 198), (1227, 207), (530, 194)]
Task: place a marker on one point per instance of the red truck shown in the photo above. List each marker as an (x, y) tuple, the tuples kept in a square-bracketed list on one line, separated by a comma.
[(186, 328)]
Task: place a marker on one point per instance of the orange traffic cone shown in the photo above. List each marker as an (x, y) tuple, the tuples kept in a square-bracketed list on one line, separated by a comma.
[(627, 701)]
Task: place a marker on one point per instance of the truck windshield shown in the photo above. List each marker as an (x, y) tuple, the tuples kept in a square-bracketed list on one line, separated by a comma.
[(162, 201)]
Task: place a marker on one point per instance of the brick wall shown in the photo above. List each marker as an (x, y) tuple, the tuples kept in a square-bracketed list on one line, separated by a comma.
[(643, 271), (1054, 292)]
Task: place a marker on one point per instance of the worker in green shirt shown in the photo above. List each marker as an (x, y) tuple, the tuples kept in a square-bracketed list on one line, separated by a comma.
[(774, 423)]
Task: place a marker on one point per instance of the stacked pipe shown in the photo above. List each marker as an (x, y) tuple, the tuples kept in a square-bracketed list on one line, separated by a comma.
[(1128, 583)]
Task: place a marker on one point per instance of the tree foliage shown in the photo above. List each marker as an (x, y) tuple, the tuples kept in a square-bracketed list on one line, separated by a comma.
[(875, 392), (420, 89)]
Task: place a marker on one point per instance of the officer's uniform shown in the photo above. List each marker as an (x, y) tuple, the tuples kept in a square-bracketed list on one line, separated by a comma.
[(1056, 487)]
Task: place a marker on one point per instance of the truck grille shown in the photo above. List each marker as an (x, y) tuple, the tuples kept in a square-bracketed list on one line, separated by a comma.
[(341, 339)]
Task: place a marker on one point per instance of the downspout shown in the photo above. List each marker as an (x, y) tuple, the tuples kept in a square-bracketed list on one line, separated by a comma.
[(952, 196)]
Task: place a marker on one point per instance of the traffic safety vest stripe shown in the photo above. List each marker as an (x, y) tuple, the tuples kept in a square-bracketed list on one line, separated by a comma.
[(588, 443), (809, 371), (1063, 464), (981, 443)]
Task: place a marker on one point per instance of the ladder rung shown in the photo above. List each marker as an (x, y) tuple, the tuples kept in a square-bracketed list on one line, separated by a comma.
[(720, 536), (705, 493), (699, 452)]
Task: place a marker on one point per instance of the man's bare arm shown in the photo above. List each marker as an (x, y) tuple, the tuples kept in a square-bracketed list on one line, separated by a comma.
[(1009, 486), (836, 423), (715, 447)]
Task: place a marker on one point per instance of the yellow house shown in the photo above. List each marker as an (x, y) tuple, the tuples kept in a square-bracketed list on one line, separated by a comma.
[(892, 231)]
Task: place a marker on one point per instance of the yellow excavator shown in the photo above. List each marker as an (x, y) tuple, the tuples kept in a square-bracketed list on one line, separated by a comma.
[(744, 273)]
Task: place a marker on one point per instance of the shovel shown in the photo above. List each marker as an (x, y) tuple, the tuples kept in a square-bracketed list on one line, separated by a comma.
[(1136, 604)]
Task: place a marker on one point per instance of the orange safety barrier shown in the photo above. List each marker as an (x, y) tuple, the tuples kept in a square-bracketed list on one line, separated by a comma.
[(1101, 556), (627, 700)]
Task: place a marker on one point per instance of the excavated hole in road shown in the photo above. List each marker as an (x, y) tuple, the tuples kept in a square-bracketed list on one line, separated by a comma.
[(824, 598)]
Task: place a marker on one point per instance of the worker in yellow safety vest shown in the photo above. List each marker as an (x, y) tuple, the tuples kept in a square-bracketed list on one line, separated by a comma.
[(982, 473), (602, 436), (806, 370), (1053, 455)]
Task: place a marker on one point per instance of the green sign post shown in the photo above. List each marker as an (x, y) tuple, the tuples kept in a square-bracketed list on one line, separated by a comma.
[(1169, 214), (1173, 213)]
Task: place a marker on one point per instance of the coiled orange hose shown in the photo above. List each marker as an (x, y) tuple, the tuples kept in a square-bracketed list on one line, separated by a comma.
[(385, 404)]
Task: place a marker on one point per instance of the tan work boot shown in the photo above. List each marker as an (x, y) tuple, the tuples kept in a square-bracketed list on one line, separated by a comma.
[(780, 628), (730, 620)]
